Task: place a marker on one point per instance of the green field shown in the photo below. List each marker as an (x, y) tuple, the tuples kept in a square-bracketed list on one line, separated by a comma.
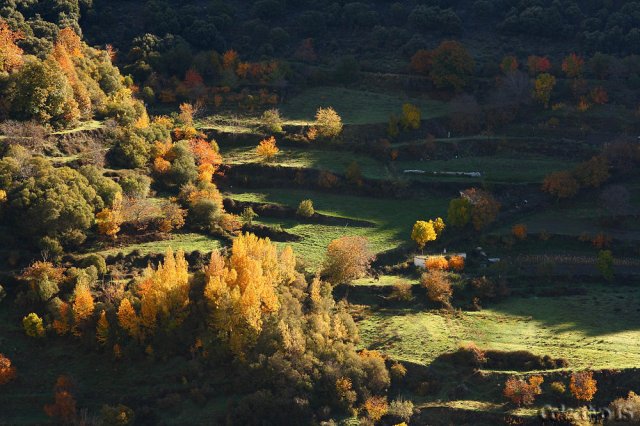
[(355, 106), (393, 218), (598, 330), (525, 168), (187, 242)]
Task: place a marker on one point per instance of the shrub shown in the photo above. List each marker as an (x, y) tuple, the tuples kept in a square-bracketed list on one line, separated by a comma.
[(327, 180), (398, 371), (32, 325), (135, 185), (522, 392), (347, 259), (204, 214), (248, 215), (628, 407), (7, 371), (605, 264), (558, 388), (401, 408), (305, 209), (583, 386), (328, 122), (272, 121), (267, 148), (519, 231), (456, 263), (436, 263), (119, 415), (438, 286), (376, 407), (94, 260), (401, 292)]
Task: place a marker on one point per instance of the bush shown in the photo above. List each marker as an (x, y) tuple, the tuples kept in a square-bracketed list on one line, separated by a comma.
[(305, 209), (347, 259), (628, 407), (583, 386), (401, 292), (522, 392), (7, 371), (204, 214), (558, 388), (376, 407), (95, 260), (438, 286), (328, 122), (519, 231), (119, 415), (135, 185), (401, 408), (272, 121), (398, 371), (32, 325)]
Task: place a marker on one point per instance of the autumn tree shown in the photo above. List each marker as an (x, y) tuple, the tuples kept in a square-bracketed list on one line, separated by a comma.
[(421, 62), (438, 286), (102, 329), (485, 207), (63, 409), (328, 122), (521, 391), (538, 64), (542, 88), (509, 64), (376, 407), (459, 213), (164, 293), (43, 279), (267, 148), (10, 54), (592, 173), (241, 290), (572, 65), (347, 259), (83, 306), (583, 386), (519, 231), (560, 185), (7, 371), (110, 219), (451, 66), (128, 320), (426, 231), (411, 116)]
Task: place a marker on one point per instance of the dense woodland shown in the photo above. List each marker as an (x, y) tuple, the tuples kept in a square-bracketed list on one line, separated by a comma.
[(286, 212)]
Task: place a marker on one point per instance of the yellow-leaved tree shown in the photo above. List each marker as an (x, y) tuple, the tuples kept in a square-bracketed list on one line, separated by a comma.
[(241, 290), (82, 306), (110, 219), (164, 293)]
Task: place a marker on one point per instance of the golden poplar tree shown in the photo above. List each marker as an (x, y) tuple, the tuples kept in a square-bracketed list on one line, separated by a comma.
[(241, 290), (165, 292), (82, 306), (102, 331), (128, 319)]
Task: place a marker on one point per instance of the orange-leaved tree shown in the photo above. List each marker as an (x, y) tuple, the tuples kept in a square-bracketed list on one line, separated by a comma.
[(583, 386), (10, 54), (522, 392)]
